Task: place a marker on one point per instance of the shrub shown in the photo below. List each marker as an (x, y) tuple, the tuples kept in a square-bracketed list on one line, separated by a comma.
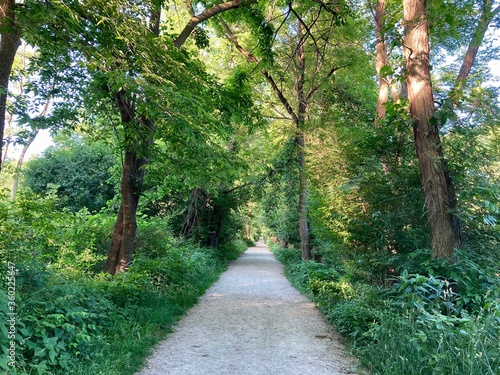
[(286, 256), (353, 319), (232, 250), (60, 321), (304, 274)]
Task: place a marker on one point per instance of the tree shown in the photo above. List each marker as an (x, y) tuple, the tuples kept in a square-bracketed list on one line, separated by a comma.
[(9, 44), (487, 14), (135, 157), (306, 35), (380, 14), (432, 166), (80, 174)]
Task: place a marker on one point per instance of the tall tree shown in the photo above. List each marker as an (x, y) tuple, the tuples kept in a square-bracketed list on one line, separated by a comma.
[(9, 44), (379, 14), (426, 132), (135, 159), (487, 14), (305, 68)]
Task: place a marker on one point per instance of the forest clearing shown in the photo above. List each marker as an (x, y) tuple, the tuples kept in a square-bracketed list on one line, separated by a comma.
[(359, 139)]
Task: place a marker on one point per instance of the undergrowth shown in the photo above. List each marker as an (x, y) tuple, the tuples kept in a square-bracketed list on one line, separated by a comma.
[(425, 317), (73, 319)]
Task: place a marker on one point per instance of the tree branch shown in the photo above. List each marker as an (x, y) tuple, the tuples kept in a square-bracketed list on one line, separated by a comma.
[(196, 20), (318, 86), (251, 58)]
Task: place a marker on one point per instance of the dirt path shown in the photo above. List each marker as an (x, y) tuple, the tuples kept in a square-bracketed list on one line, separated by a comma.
[(251, 322)]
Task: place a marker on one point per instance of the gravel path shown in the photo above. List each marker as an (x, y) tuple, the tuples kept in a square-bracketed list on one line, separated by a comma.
[(251, 322)]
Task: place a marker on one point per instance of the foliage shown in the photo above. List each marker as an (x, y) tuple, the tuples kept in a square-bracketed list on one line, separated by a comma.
[(70, 315), (61, 321), (420, 324), (79, 174), (35, 229), (212, 154)]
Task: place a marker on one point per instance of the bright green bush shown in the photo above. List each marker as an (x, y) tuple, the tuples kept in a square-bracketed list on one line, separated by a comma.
[(286, 256), (421, 342), (79, 174)]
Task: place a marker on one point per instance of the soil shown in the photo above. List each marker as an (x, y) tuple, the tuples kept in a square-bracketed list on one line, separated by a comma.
[(252, 322)]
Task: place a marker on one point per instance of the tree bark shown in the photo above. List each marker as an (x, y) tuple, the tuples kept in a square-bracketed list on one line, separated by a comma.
[(9, 44), (6, 148), (427, 140), (381, 60), (303, 211), (139, 135), (20, 161)]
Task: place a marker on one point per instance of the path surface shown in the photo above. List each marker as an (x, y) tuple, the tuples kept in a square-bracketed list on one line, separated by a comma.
[(251, 322)]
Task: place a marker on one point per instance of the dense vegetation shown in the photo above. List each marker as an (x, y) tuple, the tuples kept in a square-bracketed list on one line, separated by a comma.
[(184, 131), (73, 318)]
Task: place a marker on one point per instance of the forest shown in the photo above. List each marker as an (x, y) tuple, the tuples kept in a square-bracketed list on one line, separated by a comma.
[(360, 139)]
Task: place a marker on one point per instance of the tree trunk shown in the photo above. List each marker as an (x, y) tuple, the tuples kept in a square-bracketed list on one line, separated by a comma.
[(487, 15), (215, 224), (20, 162), (197, 204), (300, 142), (427, 141), (205, 15), (9, 44), (381, 60), (7, 144), (138, 138), (303, 215)]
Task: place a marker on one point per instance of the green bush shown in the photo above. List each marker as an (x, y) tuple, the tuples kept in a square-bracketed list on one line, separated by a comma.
[(60, 321), (443, 320), (353, 319), (433, 343), (249, 242), (286, 256), (79, 174), (304, 274), (232, 250)]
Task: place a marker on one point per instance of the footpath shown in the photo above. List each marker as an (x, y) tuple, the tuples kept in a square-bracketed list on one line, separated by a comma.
[(251, 322)]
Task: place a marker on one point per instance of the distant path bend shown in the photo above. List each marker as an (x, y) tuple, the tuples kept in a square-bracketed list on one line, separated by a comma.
[(251, 322)]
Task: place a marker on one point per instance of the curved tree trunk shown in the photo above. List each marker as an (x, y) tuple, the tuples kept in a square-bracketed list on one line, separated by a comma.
[(208, 13), (427, 141), (20, 161)]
